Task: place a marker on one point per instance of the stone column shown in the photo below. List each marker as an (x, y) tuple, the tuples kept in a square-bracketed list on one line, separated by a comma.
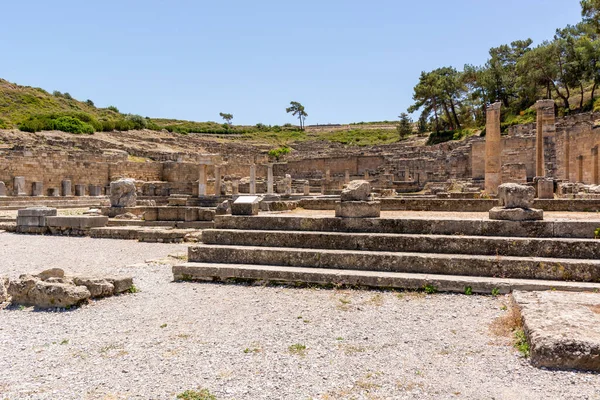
[(253, 179), (2, 189), (595, 165), (567, 156), (269, 178), (288, 184), (66, 187), (347, 176), (37, 189), (217, 180), (493, 149), (580, 169), (545, 127), (235, 187), (327, 175), (19, 186), (79, 190), (366, 175), (307, 189), (202, 180)]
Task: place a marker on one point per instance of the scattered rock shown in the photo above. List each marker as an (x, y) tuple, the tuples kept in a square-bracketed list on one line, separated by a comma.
[(98, 287), (50, 273), (513, 195), (127, 215), (3, 289), (123, 193), (359, 190), (121, 284), (224, 208)]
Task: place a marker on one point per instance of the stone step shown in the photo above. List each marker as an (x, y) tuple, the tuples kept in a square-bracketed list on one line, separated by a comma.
[(429, 263), (475, 245), (373, 279), (431, 226), (153, 235)]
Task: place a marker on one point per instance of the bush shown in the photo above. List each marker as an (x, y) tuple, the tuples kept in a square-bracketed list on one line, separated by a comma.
[(112, 108), (279, 152), (3, 124), (89, 103), (72, 125), (56, 93), (67, 96), (137, 121)]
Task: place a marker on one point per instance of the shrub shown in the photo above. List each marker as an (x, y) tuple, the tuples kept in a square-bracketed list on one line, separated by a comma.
[(279, 152), (597, 105), (72, 125), (67, 96), (3, 124), (56, 93), (137, 121), (202, 394), (112, 108), (89, 103)]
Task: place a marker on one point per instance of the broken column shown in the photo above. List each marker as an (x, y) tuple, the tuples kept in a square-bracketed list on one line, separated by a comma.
[(516, 201), (66, 187), (95, 190), (493, 149), (252, 179), (347, 176), (19, 186), (246, 205), (79, 190), (235, 186), (37, 189), (545, 127), (217, 180), (307, 189), (357, 202), (269, 178), (123, 193), (288, 184), (201, 180), (545, 188), (595, 165), (327, 175), (2, 189)]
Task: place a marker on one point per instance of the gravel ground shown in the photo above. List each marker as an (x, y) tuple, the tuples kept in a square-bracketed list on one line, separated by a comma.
[(234, 340)]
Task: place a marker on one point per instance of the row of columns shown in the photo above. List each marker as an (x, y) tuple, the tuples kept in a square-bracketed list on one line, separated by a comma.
[(545, 126)]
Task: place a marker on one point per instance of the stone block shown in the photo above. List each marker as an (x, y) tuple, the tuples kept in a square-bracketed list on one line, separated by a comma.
[(122, 193), (177, 201), (66, 187), (358, 209), (151, 214), (53, 192), (2, 189), (516, 214), (190, 214), (359, 190), (79, 190), (513, 195), (80, 222), (19, 186), (246, 205), (37, 212), (545, 188), (170, 213), (37, 189), (31, 221)]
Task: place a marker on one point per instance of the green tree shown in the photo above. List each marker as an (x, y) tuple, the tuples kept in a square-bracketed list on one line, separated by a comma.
[(227, 117), (298, 111), (590, 11), (89, 103), (405, 128)]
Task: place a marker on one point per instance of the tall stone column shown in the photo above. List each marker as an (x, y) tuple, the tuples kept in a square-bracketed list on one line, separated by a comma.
[(269, 178), (66, 187), (580, 169), (493, 149), (253, 179), (202, 180), (567, 160), (546, 126), (595, 165), (217, 180)]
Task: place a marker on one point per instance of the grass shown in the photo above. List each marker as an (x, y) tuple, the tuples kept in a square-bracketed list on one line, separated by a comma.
[(201, 394), (297, 349), (133, 289), (510, 325)]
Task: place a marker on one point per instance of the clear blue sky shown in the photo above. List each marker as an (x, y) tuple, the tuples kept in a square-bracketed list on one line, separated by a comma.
[(345, 60)]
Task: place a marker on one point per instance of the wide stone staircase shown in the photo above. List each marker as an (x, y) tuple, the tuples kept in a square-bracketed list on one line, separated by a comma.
[(453, 254)]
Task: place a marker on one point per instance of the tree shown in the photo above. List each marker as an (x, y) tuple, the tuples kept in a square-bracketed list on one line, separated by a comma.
[(405, 128), (590, 11), (227, 117), (89, 103), (297, 110)]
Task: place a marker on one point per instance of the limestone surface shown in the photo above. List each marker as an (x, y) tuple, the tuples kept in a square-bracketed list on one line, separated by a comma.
[(513, 195), (358, 190), (32, 291), (562, 328), (516, 214), (123, 193), (358, 209)]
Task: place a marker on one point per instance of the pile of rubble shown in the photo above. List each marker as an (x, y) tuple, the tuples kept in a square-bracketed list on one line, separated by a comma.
[(53, 289)]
